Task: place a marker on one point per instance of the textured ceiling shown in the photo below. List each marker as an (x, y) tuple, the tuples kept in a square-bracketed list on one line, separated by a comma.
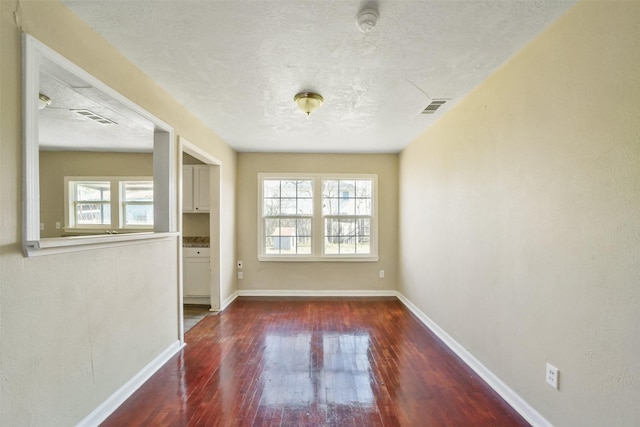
[(237, 64)]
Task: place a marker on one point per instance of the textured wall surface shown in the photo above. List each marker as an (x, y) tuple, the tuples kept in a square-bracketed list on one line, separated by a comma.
[(304, 276), (75, 327), (519, 221)]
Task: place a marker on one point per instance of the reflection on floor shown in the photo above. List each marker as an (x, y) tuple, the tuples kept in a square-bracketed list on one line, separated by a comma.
[(194, 314), (314, 362)]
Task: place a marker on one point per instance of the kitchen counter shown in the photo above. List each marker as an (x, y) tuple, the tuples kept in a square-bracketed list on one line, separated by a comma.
[(195, 242)]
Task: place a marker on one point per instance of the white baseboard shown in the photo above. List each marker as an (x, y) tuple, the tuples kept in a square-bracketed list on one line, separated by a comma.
[(229, 300), (532, 416), (123, 393), (322, 293)]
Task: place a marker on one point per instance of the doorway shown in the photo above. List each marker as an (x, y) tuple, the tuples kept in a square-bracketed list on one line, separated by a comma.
[(200, 230)]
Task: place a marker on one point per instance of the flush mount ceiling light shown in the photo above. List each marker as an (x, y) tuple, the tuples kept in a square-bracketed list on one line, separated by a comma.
[(308, 101), (366, 20), (43, 101)]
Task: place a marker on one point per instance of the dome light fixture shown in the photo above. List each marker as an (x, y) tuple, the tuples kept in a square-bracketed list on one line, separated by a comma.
[(308, 101), (366, 20), (43, 101)]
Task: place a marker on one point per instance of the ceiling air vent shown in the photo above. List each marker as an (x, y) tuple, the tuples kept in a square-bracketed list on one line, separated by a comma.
[(433, 107), (95, 117)]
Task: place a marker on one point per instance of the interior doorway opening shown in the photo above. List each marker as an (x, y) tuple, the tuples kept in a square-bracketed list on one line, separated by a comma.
[(200, 231)]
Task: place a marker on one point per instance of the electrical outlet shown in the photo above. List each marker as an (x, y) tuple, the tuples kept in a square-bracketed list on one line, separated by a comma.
[(552, 376), (240, 275), (382, 274), (58, 225), (42, 226), (240, 264)]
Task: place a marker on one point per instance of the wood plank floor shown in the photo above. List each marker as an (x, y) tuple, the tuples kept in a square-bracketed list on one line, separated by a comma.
[(314, 362)]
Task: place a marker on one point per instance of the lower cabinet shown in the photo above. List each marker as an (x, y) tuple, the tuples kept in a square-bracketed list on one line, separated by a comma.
[(197, 275)]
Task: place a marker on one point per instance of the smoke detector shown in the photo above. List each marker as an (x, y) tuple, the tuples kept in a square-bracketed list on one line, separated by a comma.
[(366, 20)]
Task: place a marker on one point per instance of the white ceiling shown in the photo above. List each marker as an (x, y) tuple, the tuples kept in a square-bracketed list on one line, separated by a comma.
[(236, 64)]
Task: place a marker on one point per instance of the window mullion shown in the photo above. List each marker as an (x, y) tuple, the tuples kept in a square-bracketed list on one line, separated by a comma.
[(115, 204), (317, 237)]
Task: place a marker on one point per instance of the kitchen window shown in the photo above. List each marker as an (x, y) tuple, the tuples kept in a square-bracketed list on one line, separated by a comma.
[(317, 217), (112, 204)]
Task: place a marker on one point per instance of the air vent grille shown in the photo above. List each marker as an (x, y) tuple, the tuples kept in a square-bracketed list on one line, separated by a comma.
[(95, 117), (433, 107)]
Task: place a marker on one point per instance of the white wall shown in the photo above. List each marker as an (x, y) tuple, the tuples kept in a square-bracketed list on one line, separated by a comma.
[(520, 221), (75, 327)]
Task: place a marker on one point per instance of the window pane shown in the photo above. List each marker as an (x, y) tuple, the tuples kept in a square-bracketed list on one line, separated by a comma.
[(347, 189), (271, 188), (271, 207), (330, 188), (271, 233), (347, 206), (363, 188), (93, 191), (138, 214), (288, 188), (93, 213), (303, 236), (330, 206), (363, 206), (305, 207), (288, 206), (363, 245), (138, 191), (305, 189)]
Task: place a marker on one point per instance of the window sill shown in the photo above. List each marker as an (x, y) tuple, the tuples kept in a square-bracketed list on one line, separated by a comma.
[(57, 245), (328, 258)]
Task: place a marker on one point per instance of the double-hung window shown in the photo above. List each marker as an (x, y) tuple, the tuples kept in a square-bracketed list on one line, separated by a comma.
[(108, 203), (317, 217)]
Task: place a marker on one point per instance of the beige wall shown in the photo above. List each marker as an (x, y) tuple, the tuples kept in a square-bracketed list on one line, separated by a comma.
[(520, 221), (55, 165), (75, 327), (306, 276)]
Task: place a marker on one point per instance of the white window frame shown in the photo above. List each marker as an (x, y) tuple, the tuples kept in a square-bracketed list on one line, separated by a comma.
[(317, 221), (116, 203)]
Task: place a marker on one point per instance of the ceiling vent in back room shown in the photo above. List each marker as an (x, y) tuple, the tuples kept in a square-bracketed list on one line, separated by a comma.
[(95, 117), (433, 107)]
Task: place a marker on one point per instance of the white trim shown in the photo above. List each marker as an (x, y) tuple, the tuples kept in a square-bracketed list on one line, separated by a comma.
[(58, 245), (315, 293), (112, 403), (229, 300), (163, 146), (512, 398)]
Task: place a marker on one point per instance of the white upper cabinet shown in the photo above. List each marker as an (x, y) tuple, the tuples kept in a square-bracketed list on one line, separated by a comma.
[(195, 188)]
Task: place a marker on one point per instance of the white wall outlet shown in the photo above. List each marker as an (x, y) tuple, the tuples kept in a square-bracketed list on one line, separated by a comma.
[(42, 226), (240, 275), (382, 274), (240, 264), (58, 225), (552, 376)]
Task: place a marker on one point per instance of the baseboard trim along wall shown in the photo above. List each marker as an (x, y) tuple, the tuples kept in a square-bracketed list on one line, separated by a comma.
[(123, 393), (321, 293), (511, 397)]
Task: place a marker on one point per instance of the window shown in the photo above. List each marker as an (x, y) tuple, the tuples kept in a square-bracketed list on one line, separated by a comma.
[(108, 203), (317, 217)]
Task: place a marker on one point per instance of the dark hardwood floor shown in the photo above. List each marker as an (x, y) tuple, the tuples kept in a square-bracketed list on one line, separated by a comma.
[(314, 362)]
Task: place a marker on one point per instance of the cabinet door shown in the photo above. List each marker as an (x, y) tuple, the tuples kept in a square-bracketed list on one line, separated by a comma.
[(196, 277), (202, 197), (187, 188)]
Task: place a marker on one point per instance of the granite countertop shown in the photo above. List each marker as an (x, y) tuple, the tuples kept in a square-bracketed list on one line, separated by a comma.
[(195, 242)]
